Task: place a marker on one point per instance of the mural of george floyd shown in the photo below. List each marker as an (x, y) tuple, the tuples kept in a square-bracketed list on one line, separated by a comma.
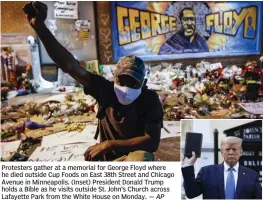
[(173, 30)]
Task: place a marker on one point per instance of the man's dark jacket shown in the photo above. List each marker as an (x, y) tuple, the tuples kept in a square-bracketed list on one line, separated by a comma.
[(210, 183)]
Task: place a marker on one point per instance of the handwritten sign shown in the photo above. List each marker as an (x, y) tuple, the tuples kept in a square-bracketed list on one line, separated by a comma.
[(215, 66), (66, 9), (57, 138), (62, 138), (170, 129), (82, 25), (254, 108), (68, 152), (8, 149), (65, 146)]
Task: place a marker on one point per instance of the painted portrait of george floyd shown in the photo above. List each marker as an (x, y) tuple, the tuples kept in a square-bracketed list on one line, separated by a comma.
[(186, 38)]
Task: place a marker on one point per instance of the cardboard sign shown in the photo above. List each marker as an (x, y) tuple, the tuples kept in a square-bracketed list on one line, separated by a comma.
[(66, 9), (67, 152), (254, 108), (170, 129), (63, 138), (65, 146), (8, 149)]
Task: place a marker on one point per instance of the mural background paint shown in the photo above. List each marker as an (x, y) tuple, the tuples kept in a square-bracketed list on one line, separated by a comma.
[(156, 31)]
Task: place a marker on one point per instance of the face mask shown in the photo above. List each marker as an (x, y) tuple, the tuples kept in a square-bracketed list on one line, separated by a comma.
[(126, 95)]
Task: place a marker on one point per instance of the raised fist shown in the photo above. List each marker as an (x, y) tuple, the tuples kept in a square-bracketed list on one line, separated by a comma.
[(190, 161), (36, 13)]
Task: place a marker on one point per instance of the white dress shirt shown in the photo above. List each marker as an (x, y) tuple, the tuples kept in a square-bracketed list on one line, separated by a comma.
[(235, 172)]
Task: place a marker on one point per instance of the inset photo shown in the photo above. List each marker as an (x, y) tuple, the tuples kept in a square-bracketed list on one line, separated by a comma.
[(221, 159)]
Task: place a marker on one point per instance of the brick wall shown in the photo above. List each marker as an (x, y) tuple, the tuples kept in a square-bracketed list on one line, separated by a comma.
[(13, 19)]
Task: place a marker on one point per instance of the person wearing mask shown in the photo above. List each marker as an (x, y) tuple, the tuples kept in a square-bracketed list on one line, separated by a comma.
[(130, 115)]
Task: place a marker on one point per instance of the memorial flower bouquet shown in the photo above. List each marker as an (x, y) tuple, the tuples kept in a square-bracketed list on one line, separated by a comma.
[(24, 82), (4, 92)]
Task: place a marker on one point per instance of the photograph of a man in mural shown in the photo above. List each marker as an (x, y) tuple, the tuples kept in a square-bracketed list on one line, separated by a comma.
[(187, 39)]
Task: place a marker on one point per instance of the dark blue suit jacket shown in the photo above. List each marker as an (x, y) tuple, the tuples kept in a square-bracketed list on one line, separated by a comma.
[(210, 183)]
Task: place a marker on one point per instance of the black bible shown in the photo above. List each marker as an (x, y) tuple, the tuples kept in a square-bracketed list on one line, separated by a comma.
[(193, 142)]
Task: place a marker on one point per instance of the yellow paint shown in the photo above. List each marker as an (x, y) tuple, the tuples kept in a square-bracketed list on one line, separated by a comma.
[(159, 7), (209, 20), (188, 13), (219, 7), (219, 27), (121, 14), (172, 23), (139, 21), (133, 14), (228, 22), (238, 19), (145, 21), (232, 21), (213, 21), (217, 41), (156, 19), (84, 35), (165, 23), (154, 44), (252, 12)]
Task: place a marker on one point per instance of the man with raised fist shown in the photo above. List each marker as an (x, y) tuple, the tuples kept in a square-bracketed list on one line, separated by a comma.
[(130, 115)]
